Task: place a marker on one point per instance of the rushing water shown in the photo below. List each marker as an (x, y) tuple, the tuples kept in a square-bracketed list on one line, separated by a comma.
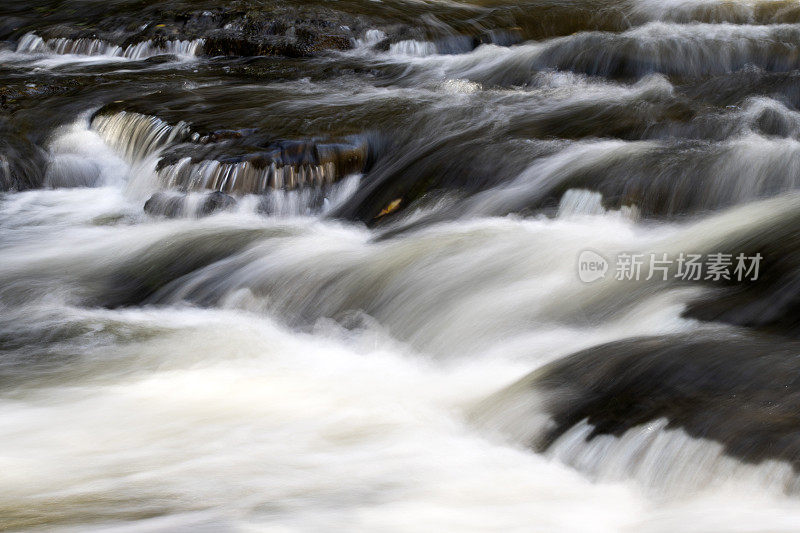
[(314, 266)]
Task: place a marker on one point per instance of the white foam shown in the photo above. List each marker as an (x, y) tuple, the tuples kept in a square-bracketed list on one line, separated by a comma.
[(79, 158), (413, 48)]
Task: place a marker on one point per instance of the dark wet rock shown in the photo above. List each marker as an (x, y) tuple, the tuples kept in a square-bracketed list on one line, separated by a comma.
[(22, 162), (160, 59), (284, 31), (165, 204), (217, 201), (228, 43), (742, 392), (274, 30), (9, 25), (262, 150), (174, 205), (223, 135)]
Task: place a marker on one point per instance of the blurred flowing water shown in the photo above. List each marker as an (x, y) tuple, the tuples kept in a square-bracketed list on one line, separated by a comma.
[(312, 266)]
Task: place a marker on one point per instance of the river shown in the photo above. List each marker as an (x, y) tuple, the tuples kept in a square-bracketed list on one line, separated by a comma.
[(367, 265)]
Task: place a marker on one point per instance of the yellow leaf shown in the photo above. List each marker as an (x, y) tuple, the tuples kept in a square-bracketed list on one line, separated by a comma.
[(393, 205)]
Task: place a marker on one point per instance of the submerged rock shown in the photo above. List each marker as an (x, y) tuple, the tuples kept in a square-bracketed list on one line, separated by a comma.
[(739, 391), (22, 163), (217, 201), (771, 301), (166, 260), (169, 205), (174, 205)]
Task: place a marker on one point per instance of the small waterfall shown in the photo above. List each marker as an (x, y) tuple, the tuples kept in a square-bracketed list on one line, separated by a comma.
[(30, 43), (83, 47), (413, 48), (371, 38), (136, 136), (186, 48), (5, 171), (246, 176), (663, 459)]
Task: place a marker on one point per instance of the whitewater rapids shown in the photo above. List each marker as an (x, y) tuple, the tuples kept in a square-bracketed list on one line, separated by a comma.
[(227, 419)]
